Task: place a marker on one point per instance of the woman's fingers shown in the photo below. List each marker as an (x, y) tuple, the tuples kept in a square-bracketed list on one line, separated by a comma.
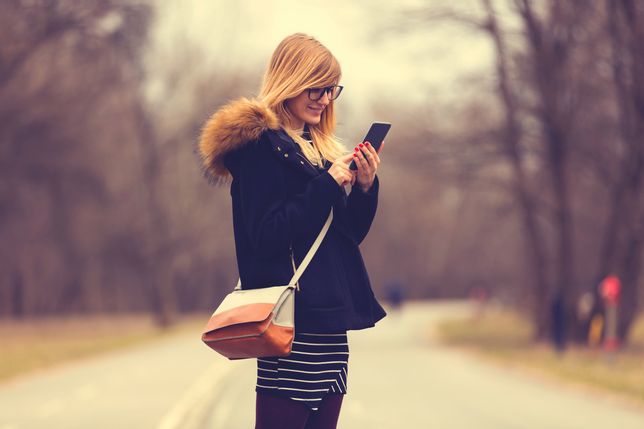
[(362, 155), (359, 160), (367, 158), (373, 155), (346, 158), (340, 170), (367, 161), (343, 161), (347, 177)]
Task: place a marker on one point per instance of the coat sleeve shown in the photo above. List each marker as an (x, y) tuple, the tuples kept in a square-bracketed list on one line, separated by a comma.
[(361, 207), (273, 220)]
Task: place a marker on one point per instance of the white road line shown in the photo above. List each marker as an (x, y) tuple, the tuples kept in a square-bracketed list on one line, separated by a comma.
[(188, 412)]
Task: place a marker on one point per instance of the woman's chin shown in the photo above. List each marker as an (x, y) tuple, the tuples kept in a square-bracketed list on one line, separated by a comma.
[(313, 120)]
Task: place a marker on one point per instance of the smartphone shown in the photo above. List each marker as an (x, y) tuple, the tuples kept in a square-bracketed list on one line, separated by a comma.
[(375, 137)]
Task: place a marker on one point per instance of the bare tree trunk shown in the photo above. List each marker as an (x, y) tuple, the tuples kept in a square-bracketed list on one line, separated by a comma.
[(626, 32), (159, 288), (69, 298), (630, 275), (550, 49), (533, 243)]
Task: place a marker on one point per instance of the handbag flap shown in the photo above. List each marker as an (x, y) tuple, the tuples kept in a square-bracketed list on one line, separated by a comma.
[(247, 306)]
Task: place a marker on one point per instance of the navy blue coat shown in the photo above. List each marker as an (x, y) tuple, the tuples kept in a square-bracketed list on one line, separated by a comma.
[(280, 199)]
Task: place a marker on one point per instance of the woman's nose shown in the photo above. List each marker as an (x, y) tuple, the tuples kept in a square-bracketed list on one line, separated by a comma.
[(324, 99)]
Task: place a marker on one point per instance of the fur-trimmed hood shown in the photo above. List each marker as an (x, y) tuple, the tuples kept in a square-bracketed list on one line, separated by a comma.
[(228, 129)]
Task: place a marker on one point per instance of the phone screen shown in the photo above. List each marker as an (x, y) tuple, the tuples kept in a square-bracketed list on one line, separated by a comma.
[(375, 137)]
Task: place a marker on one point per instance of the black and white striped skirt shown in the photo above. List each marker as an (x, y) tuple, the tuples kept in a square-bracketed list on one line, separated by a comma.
[(317, 365)]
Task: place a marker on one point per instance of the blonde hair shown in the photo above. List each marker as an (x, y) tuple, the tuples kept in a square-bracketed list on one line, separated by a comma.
[(300, 62)]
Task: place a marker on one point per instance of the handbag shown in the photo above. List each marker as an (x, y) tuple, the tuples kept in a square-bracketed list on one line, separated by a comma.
[(259, 322)]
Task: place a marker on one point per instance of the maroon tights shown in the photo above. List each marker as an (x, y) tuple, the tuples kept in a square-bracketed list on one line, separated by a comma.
[(276, 412)]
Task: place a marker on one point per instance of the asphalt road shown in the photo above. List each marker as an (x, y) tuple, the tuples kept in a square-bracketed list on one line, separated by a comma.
[(398, 378), (401, 377), (153, 385)]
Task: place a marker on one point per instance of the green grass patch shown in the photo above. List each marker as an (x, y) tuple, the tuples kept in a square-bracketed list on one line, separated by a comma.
[(505, 336), (44, 342)]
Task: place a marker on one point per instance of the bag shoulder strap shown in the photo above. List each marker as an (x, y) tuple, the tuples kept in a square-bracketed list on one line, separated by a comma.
[(309, 254)]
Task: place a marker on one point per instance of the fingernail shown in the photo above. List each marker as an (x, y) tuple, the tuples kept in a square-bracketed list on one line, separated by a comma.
[(361, 145), (367, 143), (356, 149), (355, 155)]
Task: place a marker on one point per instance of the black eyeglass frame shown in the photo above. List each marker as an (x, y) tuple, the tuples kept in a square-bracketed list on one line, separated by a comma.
[(328, 90)]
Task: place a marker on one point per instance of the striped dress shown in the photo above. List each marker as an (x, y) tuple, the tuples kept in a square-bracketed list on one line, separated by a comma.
[(317, 365)]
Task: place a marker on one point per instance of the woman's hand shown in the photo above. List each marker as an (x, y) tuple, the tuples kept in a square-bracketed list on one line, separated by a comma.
[(340, 170), (367, 160)]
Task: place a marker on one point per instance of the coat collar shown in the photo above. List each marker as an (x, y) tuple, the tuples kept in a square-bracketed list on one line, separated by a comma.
[(237, 123)]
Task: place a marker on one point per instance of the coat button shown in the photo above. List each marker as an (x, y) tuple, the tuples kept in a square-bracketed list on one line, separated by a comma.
[(279, 148), (302, 162), (286, 155)]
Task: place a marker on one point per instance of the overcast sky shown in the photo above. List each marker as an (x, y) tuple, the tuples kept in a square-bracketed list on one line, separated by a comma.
[(421, 63)]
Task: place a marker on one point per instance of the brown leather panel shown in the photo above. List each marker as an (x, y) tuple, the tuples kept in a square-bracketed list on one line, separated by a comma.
[(281, 337), (242, 314), (275, 341), (238, 330)]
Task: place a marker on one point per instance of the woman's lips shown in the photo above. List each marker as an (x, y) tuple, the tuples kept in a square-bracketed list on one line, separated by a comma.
[(316, 110)]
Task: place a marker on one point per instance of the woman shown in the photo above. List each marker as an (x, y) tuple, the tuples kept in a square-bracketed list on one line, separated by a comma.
[(287, 171)]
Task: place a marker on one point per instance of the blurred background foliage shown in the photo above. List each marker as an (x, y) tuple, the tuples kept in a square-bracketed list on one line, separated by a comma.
[(525, 184)]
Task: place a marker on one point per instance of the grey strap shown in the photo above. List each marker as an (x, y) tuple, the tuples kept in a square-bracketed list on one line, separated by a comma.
[(309, 255)]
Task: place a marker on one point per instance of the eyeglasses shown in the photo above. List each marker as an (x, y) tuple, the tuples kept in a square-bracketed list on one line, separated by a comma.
[(332, 92)]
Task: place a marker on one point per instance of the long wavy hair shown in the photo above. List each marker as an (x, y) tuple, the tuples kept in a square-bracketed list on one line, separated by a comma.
[(300, 62)]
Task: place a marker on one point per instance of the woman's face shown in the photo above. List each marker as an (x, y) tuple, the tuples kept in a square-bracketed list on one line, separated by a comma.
[(305, 110)]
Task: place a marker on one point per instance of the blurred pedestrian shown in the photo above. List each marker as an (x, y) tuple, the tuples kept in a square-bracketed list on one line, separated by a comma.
[(394, 294), (559, 322)]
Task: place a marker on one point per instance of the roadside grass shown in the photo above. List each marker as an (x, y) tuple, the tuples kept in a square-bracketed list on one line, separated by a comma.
[(504, 336), (34, 344)]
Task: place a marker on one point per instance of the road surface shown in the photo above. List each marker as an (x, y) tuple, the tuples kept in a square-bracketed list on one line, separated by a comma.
[(399, 377)]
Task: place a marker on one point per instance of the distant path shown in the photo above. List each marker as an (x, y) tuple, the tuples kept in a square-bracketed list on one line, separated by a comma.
[(398, 378)]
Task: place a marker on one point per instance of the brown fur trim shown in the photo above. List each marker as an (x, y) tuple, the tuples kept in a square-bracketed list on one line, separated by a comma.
[(228, 129)]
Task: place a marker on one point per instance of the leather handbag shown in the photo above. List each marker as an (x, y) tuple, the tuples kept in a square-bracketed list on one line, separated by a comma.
[(259, 322)]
